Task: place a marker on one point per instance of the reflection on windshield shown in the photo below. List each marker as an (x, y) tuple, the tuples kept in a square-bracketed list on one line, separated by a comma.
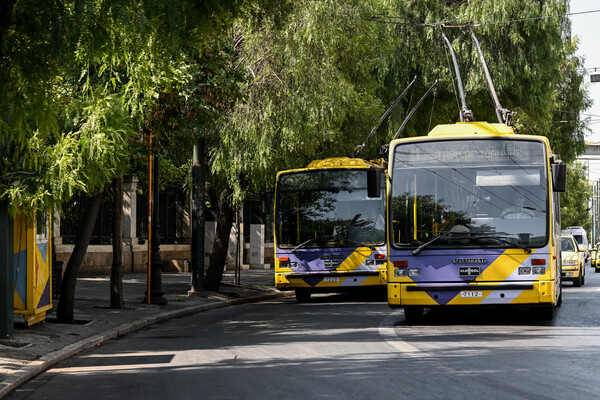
[(332, 204), (496, 189)]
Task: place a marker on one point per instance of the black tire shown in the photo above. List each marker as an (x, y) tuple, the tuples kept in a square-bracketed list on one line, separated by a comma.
[(546, 312), (303, 295), (559, 301), (596, 269), (577, 282), (413, 314)]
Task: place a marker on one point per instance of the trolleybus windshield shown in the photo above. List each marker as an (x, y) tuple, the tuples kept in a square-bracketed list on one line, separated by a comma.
[(470, 193), (332, 207)]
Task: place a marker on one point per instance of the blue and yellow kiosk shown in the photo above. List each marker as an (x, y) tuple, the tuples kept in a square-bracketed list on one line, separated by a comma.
[(32, 266)]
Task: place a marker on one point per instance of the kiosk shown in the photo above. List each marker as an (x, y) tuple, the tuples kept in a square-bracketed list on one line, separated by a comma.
[(32, 267)]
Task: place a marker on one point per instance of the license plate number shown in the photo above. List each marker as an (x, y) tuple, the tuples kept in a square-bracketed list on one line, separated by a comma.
[(471, 293), (331, 279)]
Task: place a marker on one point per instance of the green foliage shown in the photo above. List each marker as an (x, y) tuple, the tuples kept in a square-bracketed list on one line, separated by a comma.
[(79, 80), (268, 84), (322, 74), (574, 205), (312, 90)]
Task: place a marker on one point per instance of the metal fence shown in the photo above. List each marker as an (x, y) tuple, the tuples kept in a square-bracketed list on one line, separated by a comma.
[(71, 219), (173, 212)]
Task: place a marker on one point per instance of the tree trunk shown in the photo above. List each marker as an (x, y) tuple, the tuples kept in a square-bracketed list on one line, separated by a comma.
[(214, 273), (66, 303), (116, 275)]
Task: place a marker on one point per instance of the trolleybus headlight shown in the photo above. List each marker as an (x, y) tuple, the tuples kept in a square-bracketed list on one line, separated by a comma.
[(400, 272), (293, 264), (414, 272), (524, 270), (539, 270)]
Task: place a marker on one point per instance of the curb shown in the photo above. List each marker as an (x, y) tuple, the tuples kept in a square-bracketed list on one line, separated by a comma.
[(44, 363)]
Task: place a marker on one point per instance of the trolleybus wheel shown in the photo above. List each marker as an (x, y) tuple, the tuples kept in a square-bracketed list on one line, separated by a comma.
[(546, 313), (413, 314), (303, 295)]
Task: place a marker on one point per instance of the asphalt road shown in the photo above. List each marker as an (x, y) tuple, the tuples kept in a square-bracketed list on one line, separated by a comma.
[(339, 347)]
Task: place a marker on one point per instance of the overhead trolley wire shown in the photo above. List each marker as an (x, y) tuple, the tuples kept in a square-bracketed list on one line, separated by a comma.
[(389, 19)]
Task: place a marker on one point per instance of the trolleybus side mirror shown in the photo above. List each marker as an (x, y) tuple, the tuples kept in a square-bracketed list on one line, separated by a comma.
[(559, 177), (374, 182)]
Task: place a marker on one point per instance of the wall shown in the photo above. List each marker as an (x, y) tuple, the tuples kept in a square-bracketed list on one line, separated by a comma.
[(175, 257)]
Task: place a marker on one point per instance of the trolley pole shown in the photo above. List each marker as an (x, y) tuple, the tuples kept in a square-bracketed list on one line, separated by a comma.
[(7, 291)]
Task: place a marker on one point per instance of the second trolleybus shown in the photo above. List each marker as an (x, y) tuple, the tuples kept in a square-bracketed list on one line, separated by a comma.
[(330, 232)]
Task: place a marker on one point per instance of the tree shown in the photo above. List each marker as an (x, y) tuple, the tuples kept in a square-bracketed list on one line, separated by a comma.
[(78, 82), (323, 74), (116, 275), (574, 203)]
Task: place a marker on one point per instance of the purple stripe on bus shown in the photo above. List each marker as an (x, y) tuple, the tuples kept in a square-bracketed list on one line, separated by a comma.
[(444, 297), (312, 260), (312, 281)]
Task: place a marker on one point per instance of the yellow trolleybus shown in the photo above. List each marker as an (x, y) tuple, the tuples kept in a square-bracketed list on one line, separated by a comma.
[(474, 220), (330, 233)]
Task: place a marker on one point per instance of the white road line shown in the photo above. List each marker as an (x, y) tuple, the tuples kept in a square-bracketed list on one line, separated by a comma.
[(388, 333)]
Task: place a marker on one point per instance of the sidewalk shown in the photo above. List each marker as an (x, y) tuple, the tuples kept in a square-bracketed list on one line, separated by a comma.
[(35, 349)]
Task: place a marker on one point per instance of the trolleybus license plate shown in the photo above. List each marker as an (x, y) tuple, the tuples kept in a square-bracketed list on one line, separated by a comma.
[(331, 279), (471, 293)]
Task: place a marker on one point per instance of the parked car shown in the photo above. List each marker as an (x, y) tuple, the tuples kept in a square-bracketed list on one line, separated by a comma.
[(580, 236), (573, 260)]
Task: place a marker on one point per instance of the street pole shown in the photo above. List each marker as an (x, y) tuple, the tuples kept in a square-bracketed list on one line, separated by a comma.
[(594, 78), (198, 221), (7, 290), (156, 292)]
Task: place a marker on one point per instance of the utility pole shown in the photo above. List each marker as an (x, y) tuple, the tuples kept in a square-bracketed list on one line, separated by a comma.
[(198, 222), (7, 290), (594, 78)]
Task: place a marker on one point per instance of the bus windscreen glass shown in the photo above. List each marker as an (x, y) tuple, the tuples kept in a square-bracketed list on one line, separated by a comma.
[(328, 207), (469, 193)]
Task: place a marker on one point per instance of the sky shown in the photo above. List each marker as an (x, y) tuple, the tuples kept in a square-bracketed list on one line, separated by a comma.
[(587, 28)]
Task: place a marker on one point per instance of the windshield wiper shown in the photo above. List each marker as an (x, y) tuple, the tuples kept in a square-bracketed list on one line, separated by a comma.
[(435, 239), (356, 243), (332, 239), (479, 235), (504, 240), (314, 239)]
